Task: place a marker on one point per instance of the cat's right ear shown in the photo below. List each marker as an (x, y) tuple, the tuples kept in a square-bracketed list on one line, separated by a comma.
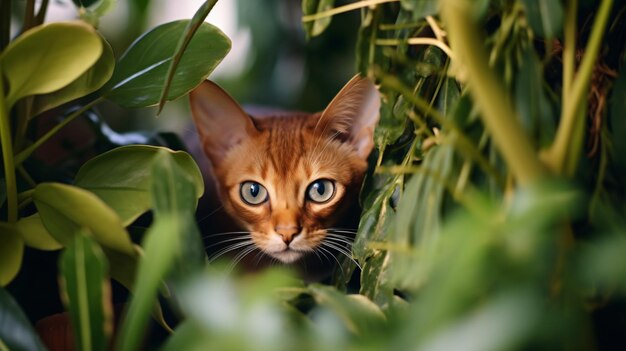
[(220, 121)]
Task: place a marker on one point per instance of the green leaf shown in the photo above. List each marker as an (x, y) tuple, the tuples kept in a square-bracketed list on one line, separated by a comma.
[(192, 27), (16, 333), (64, 209), (545, 17), (92, 10), (122, 177), (90, 81), (160, 247), (86, 293), (311, 7), (421, 8), (11, 252), (49, 57), (35, 234), (140, 75), (174, 194), (360, 315)]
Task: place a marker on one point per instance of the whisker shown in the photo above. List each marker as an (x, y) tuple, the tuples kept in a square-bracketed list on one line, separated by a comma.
[(210, 214), (230, 248), (225, 233), (240, 256), (351, 230), (342, 251), (340, 241), (340, 231), (343, 275), (226, 241)]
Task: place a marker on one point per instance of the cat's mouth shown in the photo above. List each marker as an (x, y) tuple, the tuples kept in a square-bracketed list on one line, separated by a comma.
[(287, 255)]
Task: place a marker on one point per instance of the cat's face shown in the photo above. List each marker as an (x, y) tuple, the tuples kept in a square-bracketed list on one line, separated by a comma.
[(288, 179)]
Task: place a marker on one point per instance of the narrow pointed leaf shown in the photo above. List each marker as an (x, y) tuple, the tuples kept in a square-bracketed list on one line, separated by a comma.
[(16, 332), (86, 293)]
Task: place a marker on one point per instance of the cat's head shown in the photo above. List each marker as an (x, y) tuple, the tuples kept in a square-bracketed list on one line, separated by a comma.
[(287, 179)]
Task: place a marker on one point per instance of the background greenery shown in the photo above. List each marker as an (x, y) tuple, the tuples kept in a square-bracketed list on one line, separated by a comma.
[(493, 212)]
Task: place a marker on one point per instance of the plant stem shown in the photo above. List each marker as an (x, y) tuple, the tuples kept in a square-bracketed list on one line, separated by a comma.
[(29, 15), (488, 91), (41, 15), (342, 9), (563, 155), (569, 48), (24, 154), (5, 23), (7, 156)]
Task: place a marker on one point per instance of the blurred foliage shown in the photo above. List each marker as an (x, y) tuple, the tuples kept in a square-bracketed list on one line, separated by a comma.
[(480, 230)]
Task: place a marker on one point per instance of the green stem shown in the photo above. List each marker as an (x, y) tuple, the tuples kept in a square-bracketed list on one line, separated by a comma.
[(41, 15), (489, 92), (5, 23), (564, 153), (24, 111), (24, 154), (7, 156), (29, 15), (569, 48)]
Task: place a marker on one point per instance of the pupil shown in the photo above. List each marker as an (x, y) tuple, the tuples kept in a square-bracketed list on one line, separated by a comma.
[(254, 190), (320, 188)]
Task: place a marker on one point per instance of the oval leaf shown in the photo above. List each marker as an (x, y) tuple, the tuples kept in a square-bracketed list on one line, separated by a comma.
[(16, 333), (35, 234), (64, 209), (122, 178), (49, 57), (141, 72), (87, 83), (86, 293), (11, 252)]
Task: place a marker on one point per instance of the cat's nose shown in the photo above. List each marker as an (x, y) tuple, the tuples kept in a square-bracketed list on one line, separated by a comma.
[(287, 232)]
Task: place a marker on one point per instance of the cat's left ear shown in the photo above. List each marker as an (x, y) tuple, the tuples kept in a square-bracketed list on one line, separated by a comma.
[(353, 113)]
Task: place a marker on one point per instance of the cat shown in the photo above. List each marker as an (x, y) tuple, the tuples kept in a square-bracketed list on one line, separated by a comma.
[(290, 181)]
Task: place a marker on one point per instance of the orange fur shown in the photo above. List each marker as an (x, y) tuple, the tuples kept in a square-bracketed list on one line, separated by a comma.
[(285, 154)]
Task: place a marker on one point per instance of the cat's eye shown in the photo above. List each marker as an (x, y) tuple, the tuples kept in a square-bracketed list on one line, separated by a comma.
[(320, 190), (253, 193)]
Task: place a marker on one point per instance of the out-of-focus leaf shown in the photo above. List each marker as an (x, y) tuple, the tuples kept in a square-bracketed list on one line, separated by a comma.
[(92, 10), (602, 263), (141, 72), (35, 234), (16, 333), (122, 178), (188, 336), (160, 247), (360, 315), (421, 8), (545, 17), (11, 252), (310, 7), (418, 219), (86, 293), (174, 194), (88, 82), (64, 209), (531, 101), (67, 48)]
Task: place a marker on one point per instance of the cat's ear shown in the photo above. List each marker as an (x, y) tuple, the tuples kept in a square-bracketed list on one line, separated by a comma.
[(353, 114), (220, 121)]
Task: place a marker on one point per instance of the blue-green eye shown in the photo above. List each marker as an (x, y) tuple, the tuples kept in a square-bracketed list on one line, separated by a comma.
[(253, 193), (320, 190)]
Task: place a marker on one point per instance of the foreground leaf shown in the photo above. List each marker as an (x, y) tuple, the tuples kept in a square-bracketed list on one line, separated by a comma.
[(35, 234), (87, 83), (16, 333), (122, 178), (86, 293), (141, 72), (11, 252), (311, 7), (64, 209), (67, 48), (545, 17)]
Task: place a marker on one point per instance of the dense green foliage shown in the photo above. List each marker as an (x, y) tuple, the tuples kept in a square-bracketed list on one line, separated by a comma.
[(493, 212)]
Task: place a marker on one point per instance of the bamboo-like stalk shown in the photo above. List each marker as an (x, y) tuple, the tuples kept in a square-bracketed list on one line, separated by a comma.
[(562, 157), (342, 9), (488, 91), (7, 156)]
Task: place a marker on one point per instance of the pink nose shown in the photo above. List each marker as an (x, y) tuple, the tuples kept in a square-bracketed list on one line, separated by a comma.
[(288, 233)]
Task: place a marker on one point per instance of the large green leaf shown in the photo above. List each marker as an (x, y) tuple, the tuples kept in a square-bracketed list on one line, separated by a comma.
[(11, 252), (86, 293), (545, 17), (49, 57), (35, 234), (64, 209), (122, 178), (88, 82), (141, 72), (160, 247), (311, 7), (16, 332)]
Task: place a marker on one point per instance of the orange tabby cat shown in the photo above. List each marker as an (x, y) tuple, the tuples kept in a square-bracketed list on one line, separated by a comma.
[(289, 180)]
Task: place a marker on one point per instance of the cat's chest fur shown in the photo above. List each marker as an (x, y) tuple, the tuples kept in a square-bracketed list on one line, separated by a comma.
[(283, 187)]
